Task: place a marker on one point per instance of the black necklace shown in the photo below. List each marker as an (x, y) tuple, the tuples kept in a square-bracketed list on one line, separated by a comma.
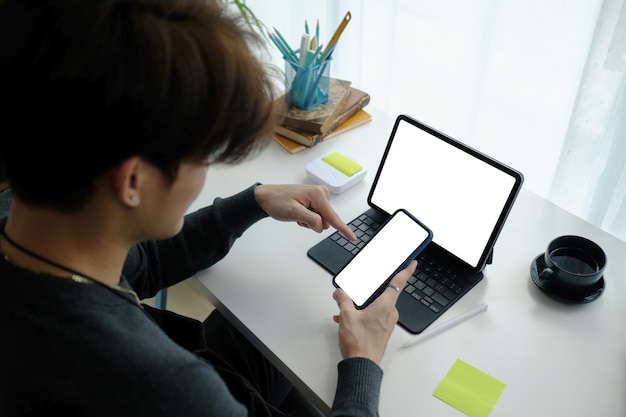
[(76, 276)]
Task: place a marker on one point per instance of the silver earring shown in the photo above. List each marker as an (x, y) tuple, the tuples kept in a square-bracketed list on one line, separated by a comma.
[(133, 198)]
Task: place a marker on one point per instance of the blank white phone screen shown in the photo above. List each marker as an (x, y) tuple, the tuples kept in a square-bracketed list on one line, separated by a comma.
[(379, 259)]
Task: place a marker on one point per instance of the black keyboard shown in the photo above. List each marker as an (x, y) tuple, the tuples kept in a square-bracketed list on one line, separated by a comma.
[(432, 284), (364, 227)]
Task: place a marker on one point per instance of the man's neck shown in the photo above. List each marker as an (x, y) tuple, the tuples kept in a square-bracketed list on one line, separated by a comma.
[(61, 244)]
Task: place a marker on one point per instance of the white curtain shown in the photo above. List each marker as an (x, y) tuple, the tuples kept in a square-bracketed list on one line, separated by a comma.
[(538, 84)]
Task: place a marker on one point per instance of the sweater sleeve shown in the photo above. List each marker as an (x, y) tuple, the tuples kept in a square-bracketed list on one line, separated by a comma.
[(358, 388), (206, 237)]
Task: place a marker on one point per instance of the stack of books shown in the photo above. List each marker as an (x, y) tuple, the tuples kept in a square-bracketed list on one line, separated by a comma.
[(301, 129)]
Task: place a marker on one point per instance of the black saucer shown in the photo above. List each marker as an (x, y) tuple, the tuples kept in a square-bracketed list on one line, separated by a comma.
[(586, 295)]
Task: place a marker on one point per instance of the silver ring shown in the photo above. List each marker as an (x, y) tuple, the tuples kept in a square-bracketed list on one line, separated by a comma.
[(395, 287)]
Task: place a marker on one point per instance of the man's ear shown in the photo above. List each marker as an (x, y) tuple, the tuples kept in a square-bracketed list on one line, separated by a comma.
[(127, 182)]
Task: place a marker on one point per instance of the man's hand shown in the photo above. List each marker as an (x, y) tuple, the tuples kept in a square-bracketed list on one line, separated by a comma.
[(308, 205), (365, 333)]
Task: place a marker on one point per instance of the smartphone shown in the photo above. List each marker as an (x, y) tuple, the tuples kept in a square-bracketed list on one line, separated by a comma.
[(399, 240)]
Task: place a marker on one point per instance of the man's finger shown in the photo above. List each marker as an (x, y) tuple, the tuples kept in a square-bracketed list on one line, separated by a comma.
[(332, 218), (398, 282)]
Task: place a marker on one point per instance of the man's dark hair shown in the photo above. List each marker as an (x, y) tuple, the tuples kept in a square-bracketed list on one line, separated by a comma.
[(85, 84)]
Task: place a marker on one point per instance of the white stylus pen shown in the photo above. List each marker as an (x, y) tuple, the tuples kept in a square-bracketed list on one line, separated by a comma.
[(438, 329)]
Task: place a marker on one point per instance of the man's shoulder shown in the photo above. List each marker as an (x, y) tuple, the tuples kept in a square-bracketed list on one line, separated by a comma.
[(5, 202)]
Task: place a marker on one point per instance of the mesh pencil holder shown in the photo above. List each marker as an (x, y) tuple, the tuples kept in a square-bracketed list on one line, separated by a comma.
[(307, 87)]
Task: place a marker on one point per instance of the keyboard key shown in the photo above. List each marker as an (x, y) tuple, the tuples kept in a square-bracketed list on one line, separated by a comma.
[(440, 299), (463, 282), (428, 291), (450, 295)]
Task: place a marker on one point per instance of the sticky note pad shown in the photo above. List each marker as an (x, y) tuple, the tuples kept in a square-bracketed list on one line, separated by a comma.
[(336, 170), (342, 164), (469, 390)]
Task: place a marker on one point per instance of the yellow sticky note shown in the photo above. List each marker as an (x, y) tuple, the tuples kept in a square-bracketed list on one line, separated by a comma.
[(342, 164), (469, 390)]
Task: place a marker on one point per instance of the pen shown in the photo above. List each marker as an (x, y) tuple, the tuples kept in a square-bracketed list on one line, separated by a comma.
[(312, 58), (428, 333), (304, 49)]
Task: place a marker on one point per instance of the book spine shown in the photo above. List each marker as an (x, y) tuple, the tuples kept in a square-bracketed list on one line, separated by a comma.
[(311, 139), (318, 119), (303, 138), (343, 117), (288, 144)]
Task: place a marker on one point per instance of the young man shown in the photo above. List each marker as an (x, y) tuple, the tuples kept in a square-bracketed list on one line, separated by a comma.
[(116, 109)]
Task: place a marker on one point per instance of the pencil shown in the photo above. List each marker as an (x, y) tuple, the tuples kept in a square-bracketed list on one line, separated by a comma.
[(288, 54), (428, 333), (317, 31), (283, 41)]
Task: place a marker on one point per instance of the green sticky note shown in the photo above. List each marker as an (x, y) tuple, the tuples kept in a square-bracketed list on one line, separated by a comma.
[(469, 390), (342, 164)]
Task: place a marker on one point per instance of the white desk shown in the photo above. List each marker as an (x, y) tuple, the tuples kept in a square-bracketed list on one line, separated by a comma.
[(557, 360)]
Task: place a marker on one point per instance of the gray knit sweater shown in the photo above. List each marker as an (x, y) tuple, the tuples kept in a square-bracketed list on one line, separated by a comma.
[(81, 349)]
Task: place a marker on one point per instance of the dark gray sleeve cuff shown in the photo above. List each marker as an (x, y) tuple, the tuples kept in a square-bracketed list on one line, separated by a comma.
[(240, 210), (358, 388)]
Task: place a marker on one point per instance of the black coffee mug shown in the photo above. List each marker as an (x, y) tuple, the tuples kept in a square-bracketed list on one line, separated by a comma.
[(572, 263)]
